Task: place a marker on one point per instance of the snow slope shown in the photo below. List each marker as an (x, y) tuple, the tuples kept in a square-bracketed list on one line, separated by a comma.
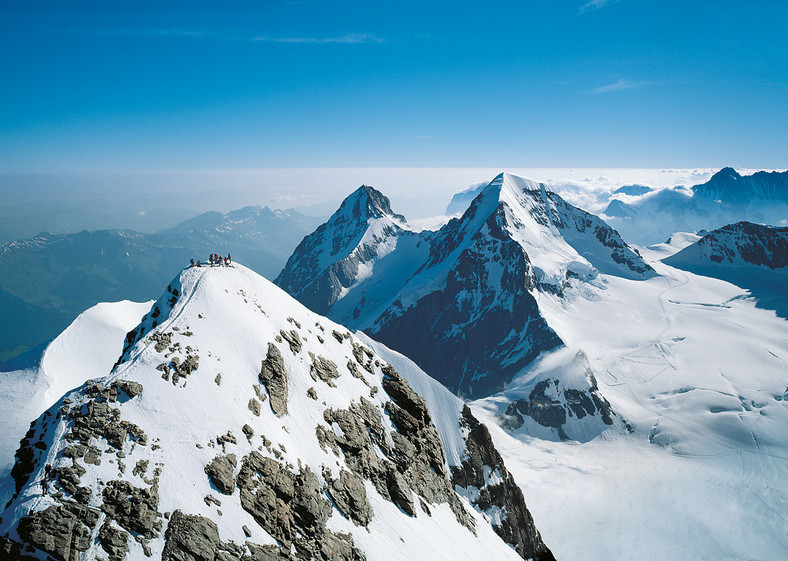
[(31, 383), (749, 255), (700, 375), (323, 449)]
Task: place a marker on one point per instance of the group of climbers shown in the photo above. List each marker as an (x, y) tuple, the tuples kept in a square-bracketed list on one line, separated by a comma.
[(215, 260)]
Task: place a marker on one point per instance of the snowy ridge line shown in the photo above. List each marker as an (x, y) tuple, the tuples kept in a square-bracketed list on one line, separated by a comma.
[(323, 452)]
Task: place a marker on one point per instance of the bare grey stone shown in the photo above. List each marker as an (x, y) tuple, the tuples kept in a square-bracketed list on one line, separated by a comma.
[(274, 376), (220, 472), (136, 510), (517, 527), (113, 541), (190, 538), (323, 369)]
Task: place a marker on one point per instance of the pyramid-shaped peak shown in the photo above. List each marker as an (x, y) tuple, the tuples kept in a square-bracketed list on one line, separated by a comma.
[(506, 185), (367, 202), (725, 174)]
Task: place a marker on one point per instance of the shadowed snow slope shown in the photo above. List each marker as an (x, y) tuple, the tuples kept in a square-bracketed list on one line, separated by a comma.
[(460, 301), (749, 255), (239, 425), (32, 382)]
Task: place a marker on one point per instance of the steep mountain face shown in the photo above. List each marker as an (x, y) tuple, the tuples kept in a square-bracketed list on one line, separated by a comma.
[(342, 251), (461, 301), (34, 381), (45, 282), (743, 243), (749, 255), (314, 446), (727, 197), (460, 201)]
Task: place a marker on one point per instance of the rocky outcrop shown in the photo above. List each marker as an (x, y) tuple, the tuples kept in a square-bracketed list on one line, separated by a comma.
[(413, 460), (220, 472), (133, 508), (292, 508), (62, 531), (350, 497), (323, 369), (483, 477), (273, 375), (552, 405), (190, 538), (113, 541)]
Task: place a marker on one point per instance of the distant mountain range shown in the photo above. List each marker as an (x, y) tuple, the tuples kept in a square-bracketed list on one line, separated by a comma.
[(462, 301), (651, 216), (46, 281)]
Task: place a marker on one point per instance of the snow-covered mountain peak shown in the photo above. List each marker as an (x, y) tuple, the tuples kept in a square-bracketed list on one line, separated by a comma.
[(367, 202), (343, 250), (239, 425)]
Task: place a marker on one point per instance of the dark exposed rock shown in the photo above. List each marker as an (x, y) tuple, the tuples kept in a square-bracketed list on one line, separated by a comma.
[(290, 507), (254, 406), (13, 550), (113, 541), (292, 339), (415, 461), (134, 509), (274, 376), (26, 458), (311, 393), (517, 526), (162, 340), (248, 431), (350, 497), (323, 369), (62, 531), (267, 553), (190, 538), (551, 412), (130, 388), (220, 472)]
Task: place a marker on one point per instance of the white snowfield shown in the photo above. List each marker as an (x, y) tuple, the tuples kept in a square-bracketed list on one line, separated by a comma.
[(228, 316), (701, 375), (34, 381)]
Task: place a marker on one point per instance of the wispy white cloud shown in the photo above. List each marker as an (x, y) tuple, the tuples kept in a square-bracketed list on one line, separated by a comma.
[(616, 86), (347, 39), (592, 5)]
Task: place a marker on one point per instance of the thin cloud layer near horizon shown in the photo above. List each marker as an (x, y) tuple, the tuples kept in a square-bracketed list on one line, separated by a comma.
[(305, 84)]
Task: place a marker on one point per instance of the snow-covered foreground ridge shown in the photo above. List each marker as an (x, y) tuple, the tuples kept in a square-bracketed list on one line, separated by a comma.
[(34, 381), (239, 425)]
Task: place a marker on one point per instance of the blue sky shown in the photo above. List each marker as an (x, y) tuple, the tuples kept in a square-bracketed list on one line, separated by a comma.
[(310, 83)]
